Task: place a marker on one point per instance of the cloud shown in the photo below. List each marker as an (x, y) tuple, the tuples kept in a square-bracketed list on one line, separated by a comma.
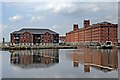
[(60, 7), (111, 18), (37, 18), (54, 27), (16, 18), (70, 7), (93, 7), (56, 7), (2, 27)]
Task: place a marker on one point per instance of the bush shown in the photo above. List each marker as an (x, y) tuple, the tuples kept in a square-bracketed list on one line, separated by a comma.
[(67, 44)]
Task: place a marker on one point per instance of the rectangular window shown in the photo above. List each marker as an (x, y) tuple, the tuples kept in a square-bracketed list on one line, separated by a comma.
[(35, 37), (16, 37)]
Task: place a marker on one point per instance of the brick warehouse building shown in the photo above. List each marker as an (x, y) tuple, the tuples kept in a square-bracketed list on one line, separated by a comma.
[(33, 36), (103, 33)]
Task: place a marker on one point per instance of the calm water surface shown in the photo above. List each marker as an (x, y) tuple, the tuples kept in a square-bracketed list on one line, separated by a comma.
[(62, 63)]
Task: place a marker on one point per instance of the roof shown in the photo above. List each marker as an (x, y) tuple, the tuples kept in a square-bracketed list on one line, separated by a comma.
[(86, 19), (105, 22), (35, 31), (102, 23)]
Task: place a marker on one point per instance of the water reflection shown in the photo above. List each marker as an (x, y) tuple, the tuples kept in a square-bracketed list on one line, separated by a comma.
[(35, 58), (104, 60)]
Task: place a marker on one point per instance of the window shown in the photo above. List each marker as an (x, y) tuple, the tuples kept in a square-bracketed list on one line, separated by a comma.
[(16, 37), (38, 37), (108, 43), (35, 37), (55, 41), (109, 36)]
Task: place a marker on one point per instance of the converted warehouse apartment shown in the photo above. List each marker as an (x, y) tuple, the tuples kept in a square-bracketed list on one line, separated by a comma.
[(103, 33), (31, 36)]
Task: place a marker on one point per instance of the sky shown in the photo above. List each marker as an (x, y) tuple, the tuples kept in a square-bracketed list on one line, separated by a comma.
[(54, 15)]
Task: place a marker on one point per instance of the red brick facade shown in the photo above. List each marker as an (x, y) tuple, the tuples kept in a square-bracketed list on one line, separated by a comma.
[(34, 37), (26, 38), (101, 32)]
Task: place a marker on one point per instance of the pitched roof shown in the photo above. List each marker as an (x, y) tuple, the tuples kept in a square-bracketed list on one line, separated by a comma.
[(35, 31)]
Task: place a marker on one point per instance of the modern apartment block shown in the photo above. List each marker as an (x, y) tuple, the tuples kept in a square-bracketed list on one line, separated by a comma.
[(103, 33), (33, 36)]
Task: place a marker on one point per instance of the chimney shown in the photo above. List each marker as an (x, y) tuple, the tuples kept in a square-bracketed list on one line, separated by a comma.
[(75, 27), (3, 40), (86, 23)]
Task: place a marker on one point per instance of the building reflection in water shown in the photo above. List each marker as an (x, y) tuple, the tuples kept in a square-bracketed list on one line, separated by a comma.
[(35, 58), (104, 60), (75, 59), (86, 68)]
